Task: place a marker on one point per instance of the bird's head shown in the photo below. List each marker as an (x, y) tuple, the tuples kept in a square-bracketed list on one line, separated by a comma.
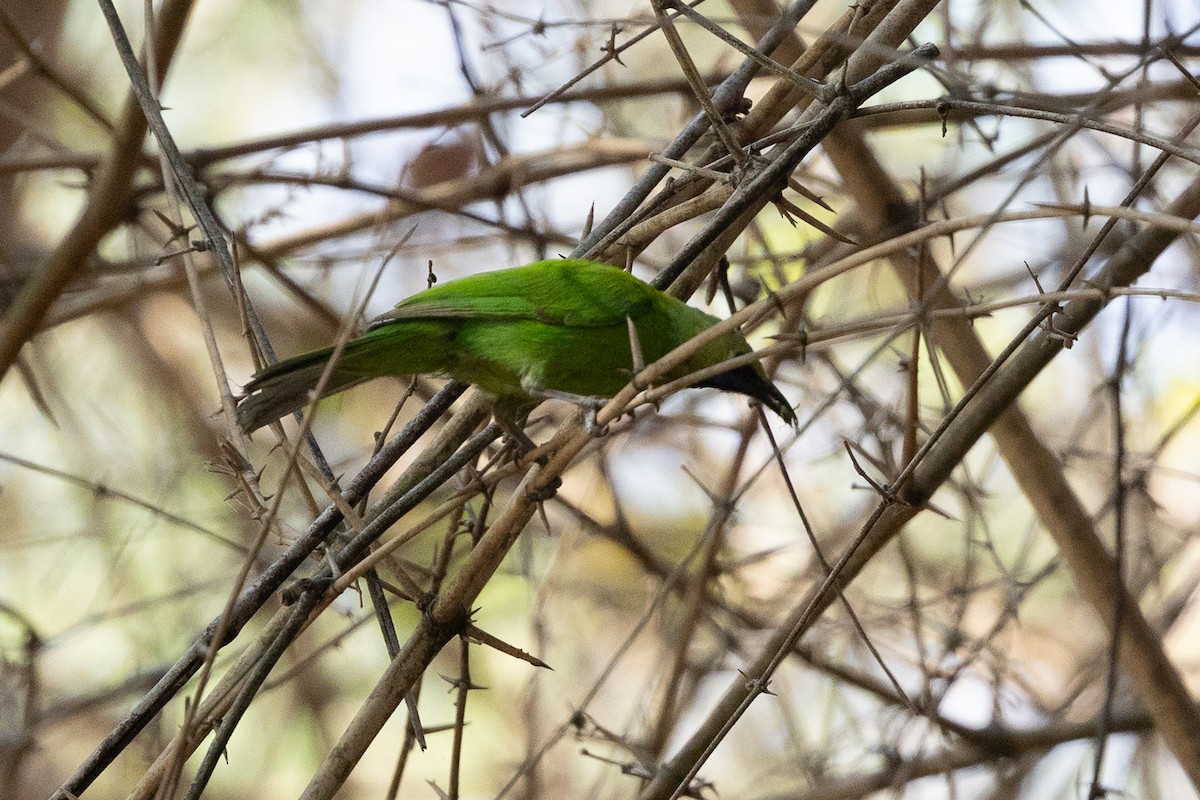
[(748, 379)]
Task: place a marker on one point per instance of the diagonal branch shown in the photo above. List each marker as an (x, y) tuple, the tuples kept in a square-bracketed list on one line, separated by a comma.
[(106, 206)]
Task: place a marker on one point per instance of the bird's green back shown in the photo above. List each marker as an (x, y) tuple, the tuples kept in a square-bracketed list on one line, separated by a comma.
[(571, 293), (557, 325)]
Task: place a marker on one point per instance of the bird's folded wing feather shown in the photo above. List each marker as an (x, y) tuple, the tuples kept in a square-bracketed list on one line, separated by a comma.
[(592, 296)]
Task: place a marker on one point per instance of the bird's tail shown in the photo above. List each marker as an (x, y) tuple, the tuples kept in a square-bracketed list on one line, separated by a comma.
[(289, 386), (405, 347)]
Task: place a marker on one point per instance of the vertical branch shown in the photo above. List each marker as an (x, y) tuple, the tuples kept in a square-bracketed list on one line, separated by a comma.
[(1119, 593)]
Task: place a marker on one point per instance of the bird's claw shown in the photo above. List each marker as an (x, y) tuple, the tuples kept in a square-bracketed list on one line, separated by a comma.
[(517, 441), (592, 406), (590, 424)]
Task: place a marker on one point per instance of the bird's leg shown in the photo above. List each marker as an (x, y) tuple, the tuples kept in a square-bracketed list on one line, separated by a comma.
[(588, 403), (510, 415)]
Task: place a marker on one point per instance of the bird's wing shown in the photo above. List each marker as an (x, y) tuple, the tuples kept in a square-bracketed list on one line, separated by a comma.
[(567, 293)]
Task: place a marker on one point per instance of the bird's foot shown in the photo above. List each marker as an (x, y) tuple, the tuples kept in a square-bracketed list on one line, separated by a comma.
[(517, 441), (594, 428)]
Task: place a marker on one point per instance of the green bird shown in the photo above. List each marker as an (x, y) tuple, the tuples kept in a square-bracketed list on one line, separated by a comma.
[(556, 328)]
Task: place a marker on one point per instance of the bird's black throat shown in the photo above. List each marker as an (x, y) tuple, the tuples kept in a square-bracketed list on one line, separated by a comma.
[(751, 382)]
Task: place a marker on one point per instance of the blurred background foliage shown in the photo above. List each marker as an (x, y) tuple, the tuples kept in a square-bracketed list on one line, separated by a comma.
[(399, 123)]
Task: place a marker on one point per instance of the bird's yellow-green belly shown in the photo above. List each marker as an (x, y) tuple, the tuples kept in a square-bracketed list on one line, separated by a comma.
[(512, 357)]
